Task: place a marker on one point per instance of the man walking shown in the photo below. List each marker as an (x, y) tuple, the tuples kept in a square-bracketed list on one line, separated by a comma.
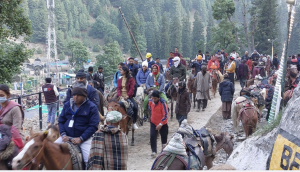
[(50, 93), (183, 103), (203, 84), (109, 149), (159, 119), (243, 72), (99, 79), (89, 75), (275, 62), (230, 69)]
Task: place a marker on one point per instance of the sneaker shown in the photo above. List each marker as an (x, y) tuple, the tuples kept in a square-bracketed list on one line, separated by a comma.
[(153, 154), (135, 126)]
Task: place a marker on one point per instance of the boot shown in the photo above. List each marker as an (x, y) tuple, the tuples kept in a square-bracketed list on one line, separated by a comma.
[(198, 102), (163, 146)]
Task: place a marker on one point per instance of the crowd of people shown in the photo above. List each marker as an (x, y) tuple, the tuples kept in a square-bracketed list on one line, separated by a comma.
[(79, 120)]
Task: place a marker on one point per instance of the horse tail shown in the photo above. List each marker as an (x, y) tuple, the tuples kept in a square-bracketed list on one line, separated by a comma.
[(234, 115)]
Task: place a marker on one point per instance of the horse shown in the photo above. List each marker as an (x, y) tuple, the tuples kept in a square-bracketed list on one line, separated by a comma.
[(224, 141), (192, 89), (243, 109), (126, 122), (249, 116), (215, 80), (173, 94), (287, 96), (139, 98), (41, 149)]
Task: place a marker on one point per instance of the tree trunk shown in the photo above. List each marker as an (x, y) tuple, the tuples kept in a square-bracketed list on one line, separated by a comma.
[(236, 34), (246, 26)]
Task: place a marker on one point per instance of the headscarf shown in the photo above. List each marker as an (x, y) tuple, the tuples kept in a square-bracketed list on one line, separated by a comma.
[(113, 116), (178, 61), (154, 75)]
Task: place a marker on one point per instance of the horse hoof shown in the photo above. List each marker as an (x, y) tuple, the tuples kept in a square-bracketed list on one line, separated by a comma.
[(132, 144)]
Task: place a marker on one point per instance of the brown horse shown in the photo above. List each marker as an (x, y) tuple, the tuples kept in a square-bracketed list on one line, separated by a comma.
[(173, 93), (193, 90), (126, 122), (224, 141), (249, 83), (215, 80), (40, 149), (249, 116), (287, 96)]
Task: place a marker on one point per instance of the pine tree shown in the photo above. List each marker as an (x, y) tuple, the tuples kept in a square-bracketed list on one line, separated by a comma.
[(186, 37), (61, 16), (39, 19), (125, 39), (198, 39), (134, 27), (165, 37), (176, 27), (210, 25), (267, 25)]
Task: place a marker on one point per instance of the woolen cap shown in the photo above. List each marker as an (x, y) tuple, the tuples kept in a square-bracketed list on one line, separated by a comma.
[(81, 74), (79, 91)]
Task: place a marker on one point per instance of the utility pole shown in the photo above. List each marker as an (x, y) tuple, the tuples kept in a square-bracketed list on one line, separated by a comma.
[(132, 37), (51, 37)]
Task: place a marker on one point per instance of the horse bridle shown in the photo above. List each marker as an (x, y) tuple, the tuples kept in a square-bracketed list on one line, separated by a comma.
[(33, 159)]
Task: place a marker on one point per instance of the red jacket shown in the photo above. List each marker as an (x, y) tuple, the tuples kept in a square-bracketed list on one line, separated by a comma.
[(159, 112), (129, 87), (211, 62)]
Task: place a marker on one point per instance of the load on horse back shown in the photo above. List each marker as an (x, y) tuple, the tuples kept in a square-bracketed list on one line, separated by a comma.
[(191, 149)]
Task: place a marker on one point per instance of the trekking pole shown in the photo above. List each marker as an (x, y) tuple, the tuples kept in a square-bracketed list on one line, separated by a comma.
[(132, 37)]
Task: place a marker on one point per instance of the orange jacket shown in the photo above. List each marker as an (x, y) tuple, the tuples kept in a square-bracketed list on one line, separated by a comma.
[(211, 62), (159, 112)]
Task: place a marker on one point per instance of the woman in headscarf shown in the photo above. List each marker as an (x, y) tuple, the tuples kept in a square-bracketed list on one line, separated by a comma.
[(11, 113), (142, 75), (155, 80), (226, 91), (125, 89)]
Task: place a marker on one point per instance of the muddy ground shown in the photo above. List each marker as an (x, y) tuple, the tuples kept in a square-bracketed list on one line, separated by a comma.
[(140, 153)]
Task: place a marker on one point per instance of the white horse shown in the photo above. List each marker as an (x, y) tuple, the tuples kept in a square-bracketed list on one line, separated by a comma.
[(140, 96)]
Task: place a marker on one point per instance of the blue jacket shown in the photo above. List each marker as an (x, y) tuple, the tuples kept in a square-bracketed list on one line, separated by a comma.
[(134, 70), (150, 63), (226, 91), (197, 67), (117, 75), (161, 81), (142, 77), (86, 120), (92, 95)]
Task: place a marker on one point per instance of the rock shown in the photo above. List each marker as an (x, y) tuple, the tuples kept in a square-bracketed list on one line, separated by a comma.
[(253, 153)]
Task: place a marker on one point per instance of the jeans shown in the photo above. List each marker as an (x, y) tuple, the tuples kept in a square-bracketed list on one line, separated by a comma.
[(85, 147), (243, 82), (146, 101), (153, 136), (52, 109), (180, 118), (135, 110)]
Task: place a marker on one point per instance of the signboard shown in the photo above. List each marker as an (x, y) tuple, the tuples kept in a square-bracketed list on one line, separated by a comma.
[(285, 153)]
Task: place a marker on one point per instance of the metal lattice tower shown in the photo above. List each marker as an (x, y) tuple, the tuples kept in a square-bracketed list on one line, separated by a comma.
[(51, 36)]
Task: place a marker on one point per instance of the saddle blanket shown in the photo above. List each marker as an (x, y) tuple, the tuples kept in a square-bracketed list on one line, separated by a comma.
[(76, 156)]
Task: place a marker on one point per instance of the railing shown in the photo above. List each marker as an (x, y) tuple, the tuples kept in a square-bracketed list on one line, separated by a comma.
[(19, 98)]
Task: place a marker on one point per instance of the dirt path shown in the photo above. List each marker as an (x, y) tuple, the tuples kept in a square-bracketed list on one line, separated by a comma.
[(140, 154)]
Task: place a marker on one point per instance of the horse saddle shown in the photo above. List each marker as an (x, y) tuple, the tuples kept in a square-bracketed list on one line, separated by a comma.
[(76, 156), (165, 159), (194, 149), (128, 106), (207, 141)]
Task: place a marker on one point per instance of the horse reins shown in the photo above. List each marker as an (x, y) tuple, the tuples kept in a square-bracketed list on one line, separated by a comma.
[(33, 159)]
